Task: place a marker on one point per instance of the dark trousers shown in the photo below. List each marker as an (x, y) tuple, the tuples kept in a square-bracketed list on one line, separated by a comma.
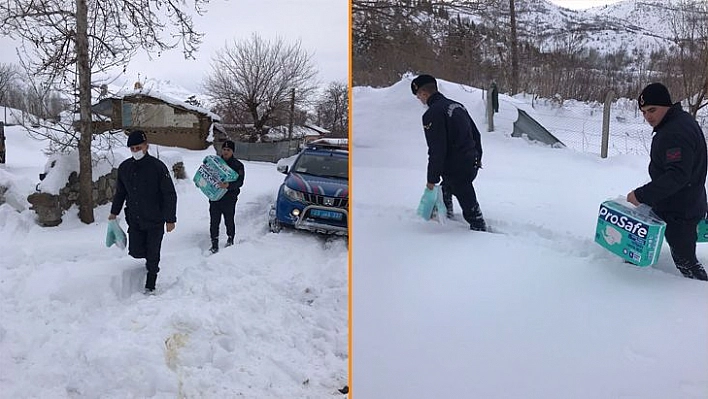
[(681, 236), (227, 208), (461, 187), (146, 244), (446, 196)]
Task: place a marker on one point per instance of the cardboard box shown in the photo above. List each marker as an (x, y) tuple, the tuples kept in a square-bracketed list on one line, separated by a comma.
[(210, 173), (634, 234), (221, 168)]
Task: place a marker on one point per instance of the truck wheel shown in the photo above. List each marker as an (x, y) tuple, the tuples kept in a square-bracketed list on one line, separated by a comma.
[(274, 226)]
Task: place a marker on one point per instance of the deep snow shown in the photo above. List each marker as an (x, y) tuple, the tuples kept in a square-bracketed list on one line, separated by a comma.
[(266, 318), (536, 311)]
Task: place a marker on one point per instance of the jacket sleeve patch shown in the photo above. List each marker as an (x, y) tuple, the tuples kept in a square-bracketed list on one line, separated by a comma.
[(673, 155), (428, 126)]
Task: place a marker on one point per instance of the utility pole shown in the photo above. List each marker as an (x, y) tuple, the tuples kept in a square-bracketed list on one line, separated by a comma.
[(292, 118)]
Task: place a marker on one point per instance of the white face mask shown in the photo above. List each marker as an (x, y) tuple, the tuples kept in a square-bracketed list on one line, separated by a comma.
[(138, 155)]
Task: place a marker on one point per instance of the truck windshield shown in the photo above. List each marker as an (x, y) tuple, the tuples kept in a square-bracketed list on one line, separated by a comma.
[(322, 165)]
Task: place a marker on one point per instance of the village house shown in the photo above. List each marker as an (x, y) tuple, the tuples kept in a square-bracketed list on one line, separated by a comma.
[(165, 120)]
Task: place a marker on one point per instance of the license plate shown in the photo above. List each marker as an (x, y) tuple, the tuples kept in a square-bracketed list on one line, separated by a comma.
[(322, 214)]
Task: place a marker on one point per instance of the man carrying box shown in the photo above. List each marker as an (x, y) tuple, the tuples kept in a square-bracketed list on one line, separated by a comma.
[(226, 205), (677, 169)]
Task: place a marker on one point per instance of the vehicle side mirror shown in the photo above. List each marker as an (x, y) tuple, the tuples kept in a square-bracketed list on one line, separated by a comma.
[(283, 168)]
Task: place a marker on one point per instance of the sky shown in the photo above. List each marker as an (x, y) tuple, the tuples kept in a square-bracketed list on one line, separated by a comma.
[(535, 309), (321, 26), (582, 4), (266, 318)]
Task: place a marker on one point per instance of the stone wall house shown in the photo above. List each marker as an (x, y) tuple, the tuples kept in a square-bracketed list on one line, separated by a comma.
[(165, 120)]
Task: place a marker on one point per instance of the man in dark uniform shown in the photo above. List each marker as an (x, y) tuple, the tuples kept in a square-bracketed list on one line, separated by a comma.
[(677, 169), (226, 206), (145, 185), (454, 148)]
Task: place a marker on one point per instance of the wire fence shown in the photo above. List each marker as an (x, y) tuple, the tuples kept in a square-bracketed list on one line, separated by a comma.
[(579, 126)]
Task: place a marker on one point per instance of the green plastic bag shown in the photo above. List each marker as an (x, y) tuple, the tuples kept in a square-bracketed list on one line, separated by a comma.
[(431, 204), (703, 230), (115, 235)]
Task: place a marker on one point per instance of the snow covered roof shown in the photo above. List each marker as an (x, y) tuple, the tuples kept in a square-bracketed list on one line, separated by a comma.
[(148, 92), (318, 129), (281, 132)]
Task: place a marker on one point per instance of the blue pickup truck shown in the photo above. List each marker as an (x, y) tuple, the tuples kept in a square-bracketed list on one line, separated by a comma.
[(315, 193)]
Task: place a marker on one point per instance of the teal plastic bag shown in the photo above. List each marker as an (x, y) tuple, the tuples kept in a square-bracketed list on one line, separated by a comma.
[(431, 204), (115, 235), (703, 230)]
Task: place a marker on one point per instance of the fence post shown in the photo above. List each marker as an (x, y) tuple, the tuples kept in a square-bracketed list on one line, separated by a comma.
[(490, 111), (2, 142), (606, 123)]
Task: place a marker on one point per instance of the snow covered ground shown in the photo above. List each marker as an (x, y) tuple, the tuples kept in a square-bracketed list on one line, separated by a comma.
[(266, 318), (537, 311)]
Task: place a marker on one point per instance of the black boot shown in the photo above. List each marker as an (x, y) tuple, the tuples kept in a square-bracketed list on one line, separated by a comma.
[(229, 241), (214, 246), (476, 221), (447, 200), (690, 268), (699, 273), (150, 283), (696, 272)]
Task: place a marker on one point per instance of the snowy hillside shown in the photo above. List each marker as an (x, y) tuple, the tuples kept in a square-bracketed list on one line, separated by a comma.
[(635, 25), (266, 318), (536, 310)]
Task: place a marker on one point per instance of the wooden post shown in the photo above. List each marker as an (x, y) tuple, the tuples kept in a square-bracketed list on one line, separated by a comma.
[(490, 112), (2, 142), (606, 123)]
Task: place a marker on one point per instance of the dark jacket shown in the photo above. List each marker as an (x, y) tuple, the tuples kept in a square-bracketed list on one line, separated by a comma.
[(454, 143), (677, 167), (234, 188), (148, 192)]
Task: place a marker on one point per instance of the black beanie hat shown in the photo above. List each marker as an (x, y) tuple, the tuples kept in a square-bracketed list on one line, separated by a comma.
[(420, 81), (136, 137), (655, 94), (229, 144)]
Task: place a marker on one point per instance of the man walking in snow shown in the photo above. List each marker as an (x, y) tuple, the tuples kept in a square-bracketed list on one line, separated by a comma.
[(145, 186), (677, 169), (454, 148), (226, 206)]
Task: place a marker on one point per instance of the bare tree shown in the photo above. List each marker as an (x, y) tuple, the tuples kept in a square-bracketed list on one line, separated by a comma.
[(257, 76), (690, 29), (65, 41), (8, 73), (332, 109), (514, 39), (394, 37)]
